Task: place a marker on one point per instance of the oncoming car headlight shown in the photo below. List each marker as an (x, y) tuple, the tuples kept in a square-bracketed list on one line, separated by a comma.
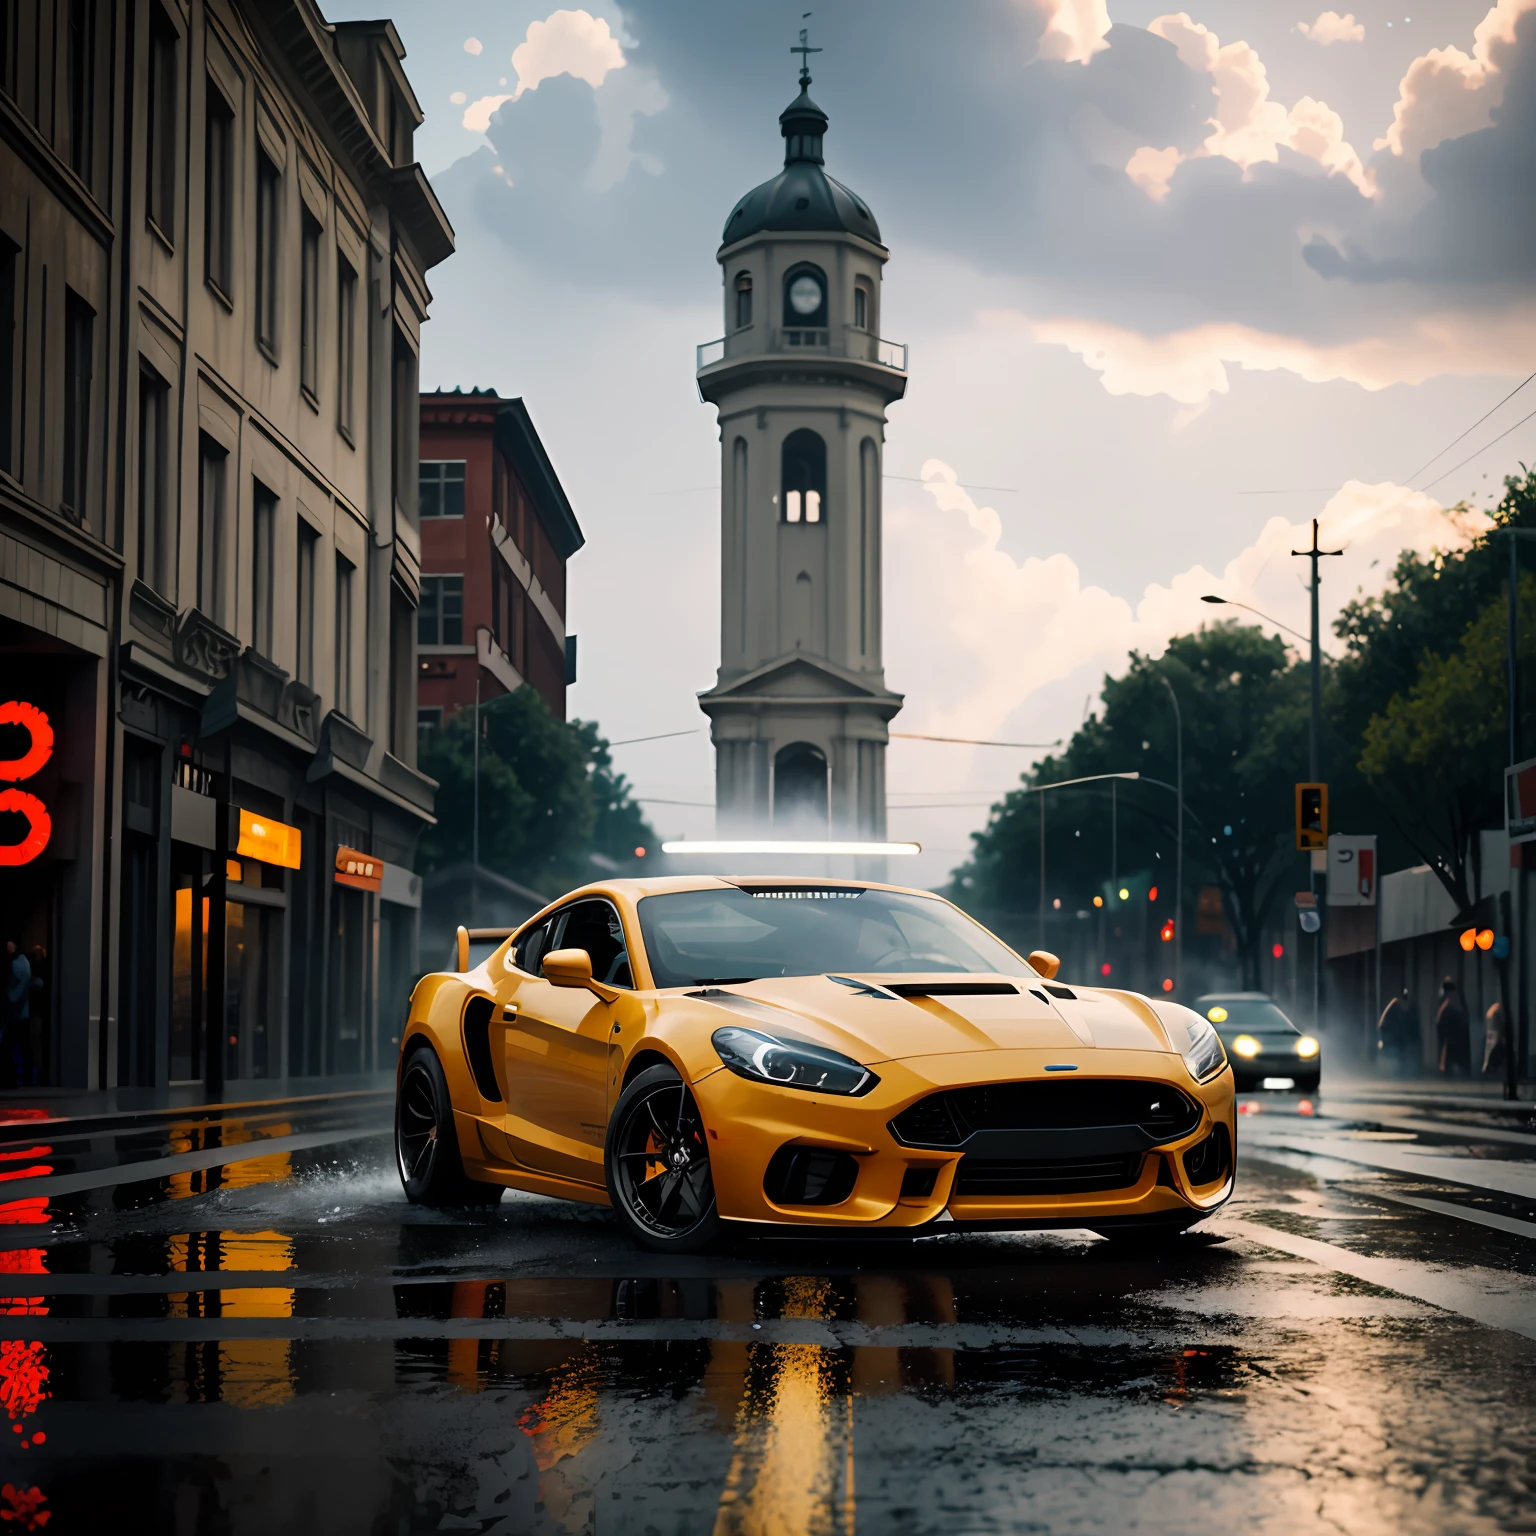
[(790, 1063), (1203, 1055), (1307, 1046), (1246, 1046)]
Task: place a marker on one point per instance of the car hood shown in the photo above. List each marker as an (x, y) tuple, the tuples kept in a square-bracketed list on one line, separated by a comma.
[(865, 1017)]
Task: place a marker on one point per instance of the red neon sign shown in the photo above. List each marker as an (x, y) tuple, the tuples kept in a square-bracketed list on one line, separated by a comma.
[(13, 769)]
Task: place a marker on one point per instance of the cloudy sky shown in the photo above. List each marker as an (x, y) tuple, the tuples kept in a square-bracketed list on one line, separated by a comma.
[(1173, 283)]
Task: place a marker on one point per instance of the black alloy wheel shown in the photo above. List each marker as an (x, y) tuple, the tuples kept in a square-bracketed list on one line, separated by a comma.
[(657, 1161), (426, 1145)]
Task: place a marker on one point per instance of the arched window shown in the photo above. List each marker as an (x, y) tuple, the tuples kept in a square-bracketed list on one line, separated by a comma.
[(743, 299), (863, 306), (804, 491), (805, 304), (800, 788)]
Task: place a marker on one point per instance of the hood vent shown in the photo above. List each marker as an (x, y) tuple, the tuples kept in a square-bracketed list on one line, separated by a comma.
[(953, 988)]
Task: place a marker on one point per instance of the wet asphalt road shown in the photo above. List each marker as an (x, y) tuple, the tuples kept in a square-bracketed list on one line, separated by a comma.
[(248, 1330)]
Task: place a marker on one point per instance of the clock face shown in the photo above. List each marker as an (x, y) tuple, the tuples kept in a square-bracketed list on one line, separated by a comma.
[(805, 295)]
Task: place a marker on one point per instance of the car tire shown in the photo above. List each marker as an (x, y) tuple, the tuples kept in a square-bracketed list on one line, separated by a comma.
[(656, 1159), (426, 1141)]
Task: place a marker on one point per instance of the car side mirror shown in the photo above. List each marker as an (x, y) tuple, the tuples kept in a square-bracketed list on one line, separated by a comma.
[(573, 968), (463, 948), (1045, 962), (568, 968)]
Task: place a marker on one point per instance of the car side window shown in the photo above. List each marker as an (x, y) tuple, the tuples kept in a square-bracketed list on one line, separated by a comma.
[(595, 927), (531, 948)]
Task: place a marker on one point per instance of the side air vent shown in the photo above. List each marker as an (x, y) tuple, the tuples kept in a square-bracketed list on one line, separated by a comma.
[(810, 1176), (477, 1046), (1209, 1161)]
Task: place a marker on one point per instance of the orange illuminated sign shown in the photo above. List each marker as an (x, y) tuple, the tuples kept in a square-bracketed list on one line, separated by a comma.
[(268, 841), (14, 769), (362, 871)]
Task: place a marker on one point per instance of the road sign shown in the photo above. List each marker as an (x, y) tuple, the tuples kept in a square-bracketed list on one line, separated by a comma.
[(1520, 801), (1311, 817), (1351, 871)]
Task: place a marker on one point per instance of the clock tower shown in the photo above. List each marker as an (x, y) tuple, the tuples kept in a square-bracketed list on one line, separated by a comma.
[(801, 381)]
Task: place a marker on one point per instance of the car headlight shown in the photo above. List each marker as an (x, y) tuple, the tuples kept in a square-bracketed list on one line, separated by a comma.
[(1246, 1046), (1307, 1046), (1203, 1055), (790, 1063)]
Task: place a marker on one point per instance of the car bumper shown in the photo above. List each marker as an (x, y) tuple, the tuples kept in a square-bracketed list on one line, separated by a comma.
[(1252, 1074), (749, 1122)]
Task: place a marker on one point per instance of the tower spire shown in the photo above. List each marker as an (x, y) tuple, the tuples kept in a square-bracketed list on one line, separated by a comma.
[(805, 51)]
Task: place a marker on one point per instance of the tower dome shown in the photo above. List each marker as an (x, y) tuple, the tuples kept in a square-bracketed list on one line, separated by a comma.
[(802, 196)]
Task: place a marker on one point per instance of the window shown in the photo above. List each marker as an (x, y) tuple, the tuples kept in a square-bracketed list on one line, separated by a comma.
[(156, 546), (402, 674), (346, 337), (805, 477), (305, 661), (344, 574), (212, 462), (268, 187), (263, 534), (160, 139), (441, 485), (429, 718), (219, 193), (440, 619), (9, 11), (743, 299), (8, 274), (79, 330), (862, 307), (309, 309), (81, 67), (404, 423)]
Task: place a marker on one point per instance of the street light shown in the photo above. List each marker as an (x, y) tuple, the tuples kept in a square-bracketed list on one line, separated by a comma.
[(1040, 789), (1232, 602)]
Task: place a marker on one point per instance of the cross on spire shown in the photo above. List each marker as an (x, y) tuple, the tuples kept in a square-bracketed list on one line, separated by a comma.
[(805, 51)]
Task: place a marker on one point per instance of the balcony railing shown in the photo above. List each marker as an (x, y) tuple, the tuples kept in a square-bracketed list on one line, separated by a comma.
[(750, 340)]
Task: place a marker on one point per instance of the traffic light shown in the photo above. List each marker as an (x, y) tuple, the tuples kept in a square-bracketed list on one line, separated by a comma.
[(1311, 817)]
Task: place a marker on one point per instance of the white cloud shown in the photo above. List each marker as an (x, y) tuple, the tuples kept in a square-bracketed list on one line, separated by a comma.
[(566, 43), (1446, 93), (1075, 30), (473, 45), (1189, 366), (458, 98), (477, 115), (1000, 630), (1330, 27), (1248, 128)]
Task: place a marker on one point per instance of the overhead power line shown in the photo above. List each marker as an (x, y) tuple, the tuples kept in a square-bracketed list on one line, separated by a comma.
[(966, 741), (1475, 425), (629, 741), (1484, 449)]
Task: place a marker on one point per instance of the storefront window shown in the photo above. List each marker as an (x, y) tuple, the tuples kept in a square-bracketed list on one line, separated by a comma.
[(252, 949), (189, 976)]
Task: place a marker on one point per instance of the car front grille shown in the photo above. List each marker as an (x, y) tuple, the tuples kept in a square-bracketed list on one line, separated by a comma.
[(1157, 1111), (1046, 1176)]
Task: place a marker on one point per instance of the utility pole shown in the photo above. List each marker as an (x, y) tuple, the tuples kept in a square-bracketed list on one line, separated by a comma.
[(1178, 865), (1315, 756)]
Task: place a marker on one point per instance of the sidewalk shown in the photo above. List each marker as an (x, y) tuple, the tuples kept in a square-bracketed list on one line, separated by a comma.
[(1447, 1094), (25, 1111)]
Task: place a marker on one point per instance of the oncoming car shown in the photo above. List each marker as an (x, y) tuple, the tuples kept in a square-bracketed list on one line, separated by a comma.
[(709, 1055), (1266, 1050)]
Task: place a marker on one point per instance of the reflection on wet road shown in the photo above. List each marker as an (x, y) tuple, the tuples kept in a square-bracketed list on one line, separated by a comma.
[(277, 1342)]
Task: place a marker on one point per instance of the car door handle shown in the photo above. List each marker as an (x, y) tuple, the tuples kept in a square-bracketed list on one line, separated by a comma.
[(509, 1012)]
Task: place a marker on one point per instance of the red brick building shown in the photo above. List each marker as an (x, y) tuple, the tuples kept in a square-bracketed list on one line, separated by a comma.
[(496, 532)]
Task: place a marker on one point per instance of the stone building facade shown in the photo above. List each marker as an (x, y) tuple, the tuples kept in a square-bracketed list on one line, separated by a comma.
[(801, 381), (214, 243)]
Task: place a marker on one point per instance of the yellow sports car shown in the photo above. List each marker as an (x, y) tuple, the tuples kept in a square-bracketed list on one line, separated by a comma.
[(709, 1054)]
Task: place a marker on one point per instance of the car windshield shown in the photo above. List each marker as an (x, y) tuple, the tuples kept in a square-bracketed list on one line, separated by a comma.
[(1245, 1013), (743, 934)]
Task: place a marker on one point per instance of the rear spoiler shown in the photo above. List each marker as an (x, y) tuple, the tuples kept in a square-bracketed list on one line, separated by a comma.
[(466, 936)]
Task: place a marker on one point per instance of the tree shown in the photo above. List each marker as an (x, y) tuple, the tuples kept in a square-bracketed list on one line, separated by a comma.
[(1244, 706), (548, 795)]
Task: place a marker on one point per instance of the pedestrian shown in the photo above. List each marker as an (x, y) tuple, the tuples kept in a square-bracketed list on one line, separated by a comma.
[(18, 1012), (1397, 1035), (1451, 1025), (1493, 1041), (42, 1012)]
